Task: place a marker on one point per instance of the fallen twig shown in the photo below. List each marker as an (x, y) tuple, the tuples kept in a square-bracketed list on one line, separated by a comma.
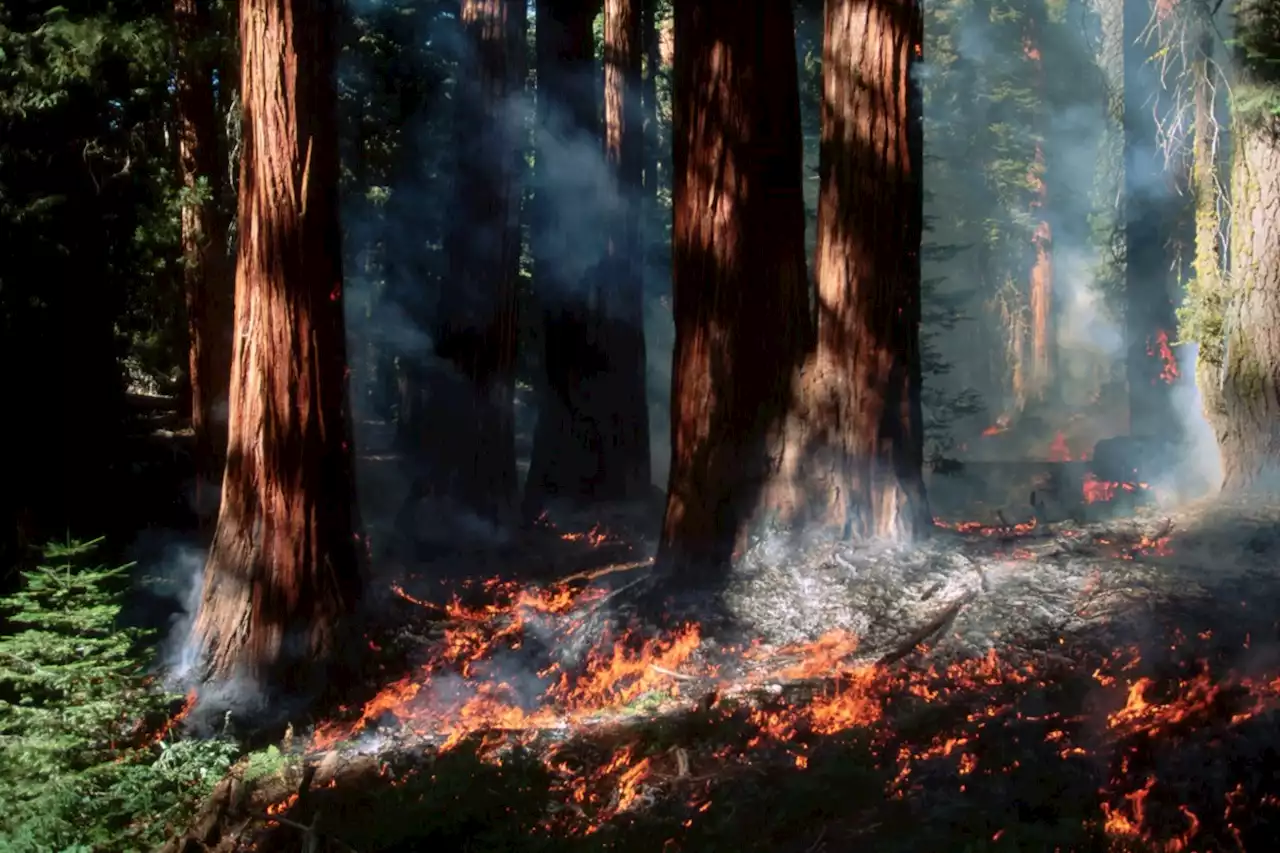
[(932, 627)]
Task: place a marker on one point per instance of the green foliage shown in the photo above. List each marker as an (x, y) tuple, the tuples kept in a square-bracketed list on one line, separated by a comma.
[(78, 768)]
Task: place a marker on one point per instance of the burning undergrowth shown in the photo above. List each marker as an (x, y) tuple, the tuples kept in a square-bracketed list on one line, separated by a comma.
[(1005, 688)]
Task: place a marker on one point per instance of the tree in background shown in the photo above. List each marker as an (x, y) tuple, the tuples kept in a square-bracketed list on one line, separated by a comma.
[(207, 272), (741, 292), (623, 411), (283, 570), (1151, 211), (470, 437)]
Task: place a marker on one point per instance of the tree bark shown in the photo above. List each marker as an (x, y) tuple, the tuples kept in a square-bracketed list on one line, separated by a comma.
[(1151, 214), (741, 295), (652, 63), (1042, 340), (623, 419), (1249, 434), (207, 272), (283, 571), (565, 461), (855, 447), (1206, 289), (470, 440)]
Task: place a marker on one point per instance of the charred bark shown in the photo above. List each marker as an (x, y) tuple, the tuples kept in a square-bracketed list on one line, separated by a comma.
[(283, 571), (855, 446), (741, 295), (207, 271), (470, 440), (565, 463), (1152, 211), (1249, 431)]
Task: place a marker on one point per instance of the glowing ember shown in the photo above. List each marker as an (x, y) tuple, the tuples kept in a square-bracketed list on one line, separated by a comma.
[(1058, 450), (1097, 491)]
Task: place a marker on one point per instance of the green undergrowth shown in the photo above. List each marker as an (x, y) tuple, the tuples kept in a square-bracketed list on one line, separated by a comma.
[(85, 764)]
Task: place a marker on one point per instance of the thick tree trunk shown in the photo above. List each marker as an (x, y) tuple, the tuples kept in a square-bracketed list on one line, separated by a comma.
[(470, 439), (207, 272), (1151, 213), (1249, 434), (741, 295), (283, 570), (856, 437), (565, 461), (623, 414)]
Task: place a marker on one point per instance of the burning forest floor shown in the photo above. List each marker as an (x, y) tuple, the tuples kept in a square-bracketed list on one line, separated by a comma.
[(1109, 686)]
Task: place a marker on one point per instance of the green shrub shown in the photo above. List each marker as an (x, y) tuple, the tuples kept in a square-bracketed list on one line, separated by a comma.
[(82, 765)]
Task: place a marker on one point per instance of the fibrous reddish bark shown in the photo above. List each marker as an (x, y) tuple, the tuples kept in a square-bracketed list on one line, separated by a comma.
[(283, 571), (741, 295), (854, 451), (470, 439), (207, 271)]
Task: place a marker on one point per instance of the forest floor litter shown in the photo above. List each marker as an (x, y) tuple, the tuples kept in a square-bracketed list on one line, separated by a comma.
[(1110, 685)]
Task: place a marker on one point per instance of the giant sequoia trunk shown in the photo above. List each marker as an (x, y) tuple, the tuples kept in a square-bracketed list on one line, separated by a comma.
[(741, 297), (283, 570), (470, 442), (622, 415), (1152, 209), (565, 464), (1249, 428), (207, 272), (855, 444)]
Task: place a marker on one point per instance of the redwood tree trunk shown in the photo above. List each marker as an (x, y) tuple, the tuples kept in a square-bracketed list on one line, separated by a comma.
[(470, 440), (207, 272), (741, 295), (1249, 431), (565, 461), (856, 437), (283, 571), (653, 62), (623, 416)]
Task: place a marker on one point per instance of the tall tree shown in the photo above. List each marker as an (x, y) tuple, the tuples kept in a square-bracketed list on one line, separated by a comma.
[(564, 465), (1041, 356), (207, 272), (1249, 428), (854, 451), (623, 415), (741, 295), (283, 569), (1152, 208), (471, 436)]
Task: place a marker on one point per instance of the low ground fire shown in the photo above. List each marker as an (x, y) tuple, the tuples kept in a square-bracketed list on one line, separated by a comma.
[(1021, 686)]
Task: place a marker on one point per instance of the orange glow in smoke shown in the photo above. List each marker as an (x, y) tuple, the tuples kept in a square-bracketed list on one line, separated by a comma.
[(1159, 348)]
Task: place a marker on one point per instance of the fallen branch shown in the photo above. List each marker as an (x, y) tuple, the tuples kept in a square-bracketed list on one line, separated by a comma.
[(934, 626)]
